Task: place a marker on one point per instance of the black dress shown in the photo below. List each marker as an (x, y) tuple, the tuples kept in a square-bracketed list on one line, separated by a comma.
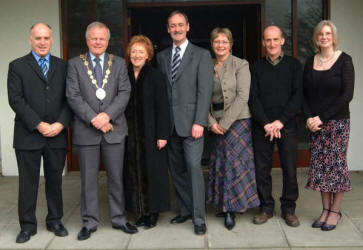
[(146, 169)]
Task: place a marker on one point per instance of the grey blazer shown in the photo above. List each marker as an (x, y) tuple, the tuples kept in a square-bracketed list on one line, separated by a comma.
[(190, 94), (82, 99), (235, 82)]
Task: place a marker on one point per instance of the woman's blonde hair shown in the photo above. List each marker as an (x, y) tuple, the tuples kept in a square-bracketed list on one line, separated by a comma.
[(318, 29)]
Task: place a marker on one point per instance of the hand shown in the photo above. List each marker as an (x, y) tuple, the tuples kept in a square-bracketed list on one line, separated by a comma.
[(161, 143), (217, 129), (273, 129), (314, 123), (55, 129), (107, 128), (100, 120), (197, 131), (44, 128)]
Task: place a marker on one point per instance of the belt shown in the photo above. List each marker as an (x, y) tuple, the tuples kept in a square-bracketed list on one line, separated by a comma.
[(218, 106)]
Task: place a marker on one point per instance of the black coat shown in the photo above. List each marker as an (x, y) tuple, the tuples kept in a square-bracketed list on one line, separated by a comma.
[(34, 99), (146, 168)]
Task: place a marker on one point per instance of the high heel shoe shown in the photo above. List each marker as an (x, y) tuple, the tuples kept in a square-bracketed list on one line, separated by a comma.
[(152, 220), (327, 227), (317, 223), (229, 222), (141, 221)]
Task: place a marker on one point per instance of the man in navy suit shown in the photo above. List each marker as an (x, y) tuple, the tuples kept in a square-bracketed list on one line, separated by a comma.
[(36, 89)]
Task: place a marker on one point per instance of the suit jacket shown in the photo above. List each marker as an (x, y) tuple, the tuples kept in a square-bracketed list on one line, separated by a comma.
[(190, 93), (81, 96), (35, 99), (235, 81)]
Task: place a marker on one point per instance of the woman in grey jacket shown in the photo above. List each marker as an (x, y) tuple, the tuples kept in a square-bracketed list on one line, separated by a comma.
[(232, 184)]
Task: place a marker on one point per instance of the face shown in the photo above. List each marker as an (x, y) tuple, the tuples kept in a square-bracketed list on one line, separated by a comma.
[(273, 41), (325, 37), (221, 45), (97, 40), (178, 28), (41, 40), (138, 55)]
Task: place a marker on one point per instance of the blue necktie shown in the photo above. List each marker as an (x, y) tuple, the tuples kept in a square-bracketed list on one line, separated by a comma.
[(98, 71), (175, 63), (43, 66)]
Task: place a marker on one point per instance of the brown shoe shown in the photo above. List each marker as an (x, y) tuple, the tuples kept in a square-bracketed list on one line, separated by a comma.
[(261, 218), (291, 220)]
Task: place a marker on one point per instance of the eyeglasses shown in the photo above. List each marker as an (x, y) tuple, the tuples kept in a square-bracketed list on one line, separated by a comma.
[(221, 42)]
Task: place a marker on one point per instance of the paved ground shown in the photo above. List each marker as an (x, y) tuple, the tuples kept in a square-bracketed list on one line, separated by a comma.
[(275, 234)]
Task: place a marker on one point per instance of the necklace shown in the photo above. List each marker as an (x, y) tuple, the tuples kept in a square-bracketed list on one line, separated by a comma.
[(321, 61), (100, 92)]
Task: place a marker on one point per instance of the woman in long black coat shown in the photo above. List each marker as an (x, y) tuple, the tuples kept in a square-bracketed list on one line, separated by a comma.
[(146, 168)]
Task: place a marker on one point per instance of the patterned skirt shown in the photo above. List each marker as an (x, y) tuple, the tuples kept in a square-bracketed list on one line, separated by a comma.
[(328, 158), (232, 183)]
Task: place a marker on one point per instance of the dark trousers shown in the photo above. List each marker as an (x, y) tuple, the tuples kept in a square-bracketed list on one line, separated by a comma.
[(287, 148), (185, 156), (29, 168)]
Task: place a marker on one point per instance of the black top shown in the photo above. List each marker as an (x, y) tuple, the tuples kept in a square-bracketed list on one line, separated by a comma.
[(276, 91), (327, 93)]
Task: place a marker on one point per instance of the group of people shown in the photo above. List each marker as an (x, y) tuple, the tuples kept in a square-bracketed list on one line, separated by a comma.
[(146, 121)]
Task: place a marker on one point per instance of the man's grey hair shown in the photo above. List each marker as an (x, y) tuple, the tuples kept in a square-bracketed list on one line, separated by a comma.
[(32, 27), (98, 25)]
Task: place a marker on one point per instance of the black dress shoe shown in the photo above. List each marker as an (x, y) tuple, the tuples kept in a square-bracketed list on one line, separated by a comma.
[(85, 233), (58, 230), (180, 219), (152, 220), (327, 227), (127, 228), (229, 222), (141, 221), (200, 229), (25, 235)]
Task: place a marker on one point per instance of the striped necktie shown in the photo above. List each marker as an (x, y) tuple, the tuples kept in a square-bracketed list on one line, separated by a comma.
[(43, 66), (175, 63)]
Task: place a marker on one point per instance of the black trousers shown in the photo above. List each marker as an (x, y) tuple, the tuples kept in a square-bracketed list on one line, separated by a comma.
[(29, 168), (287, 148)]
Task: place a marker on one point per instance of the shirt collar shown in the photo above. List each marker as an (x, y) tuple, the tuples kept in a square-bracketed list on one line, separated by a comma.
[(277, 60), (101, 57), (38, 57), (182, 47)]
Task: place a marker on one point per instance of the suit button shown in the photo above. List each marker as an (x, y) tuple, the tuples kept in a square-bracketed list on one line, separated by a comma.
[(47, 88)]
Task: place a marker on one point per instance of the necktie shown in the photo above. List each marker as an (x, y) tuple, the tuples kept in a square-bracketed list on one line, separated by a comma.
[(98, 71), (43, 66), (175, 63)]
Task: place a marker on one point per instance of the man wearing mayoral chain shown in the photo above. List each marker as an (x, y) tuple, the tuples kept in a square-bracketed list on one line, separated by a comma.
[(98, 91)]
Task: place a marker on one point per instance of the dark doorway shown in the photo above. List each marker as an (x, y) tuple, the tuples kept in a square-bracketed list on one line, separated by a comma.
[(243, 20)]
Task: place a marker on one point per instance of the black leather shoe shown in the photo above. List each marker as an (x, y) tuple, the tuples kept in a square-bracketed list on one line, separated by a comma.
[(58, 230), (317, 223), (327, 227), (127, 228), (152, 220), (200, 229), (229, 222), (180, 219), (85, 233), (24, 236), (140, 222)]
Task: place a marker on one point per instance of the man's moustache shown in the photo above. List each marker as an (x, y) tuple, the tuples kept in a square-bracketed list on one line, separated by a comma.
[(178, 33)]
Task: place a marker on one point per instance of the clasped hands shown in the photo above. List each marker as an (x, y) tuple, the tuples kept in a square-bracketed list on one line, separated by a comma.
[(273, 129), (50, 130), (314, 123), (102, 122)]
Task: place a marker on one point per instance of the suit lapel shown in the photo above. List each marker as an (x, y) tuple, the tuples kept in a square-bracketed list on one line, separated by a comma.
[(34, 65), (52, 67), (188, 55), (105, 64), (168, 64)]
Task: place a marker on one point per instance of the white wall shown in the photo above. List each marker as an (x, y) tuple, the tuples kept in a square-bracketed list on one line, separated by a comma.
[(16, 17), (348, 17)]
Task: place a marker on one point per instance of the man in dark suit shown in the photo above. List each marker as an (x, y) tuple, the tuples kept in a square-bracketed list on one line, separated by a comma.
[(98, 90), (275, 98), (36, 89), (188, 73)]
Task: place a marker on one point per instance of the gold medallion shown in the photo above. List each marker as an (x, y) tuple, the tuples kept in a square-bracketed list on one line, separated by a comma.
[(94, 81), (104, 81), (108, 71), (89, 72)]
